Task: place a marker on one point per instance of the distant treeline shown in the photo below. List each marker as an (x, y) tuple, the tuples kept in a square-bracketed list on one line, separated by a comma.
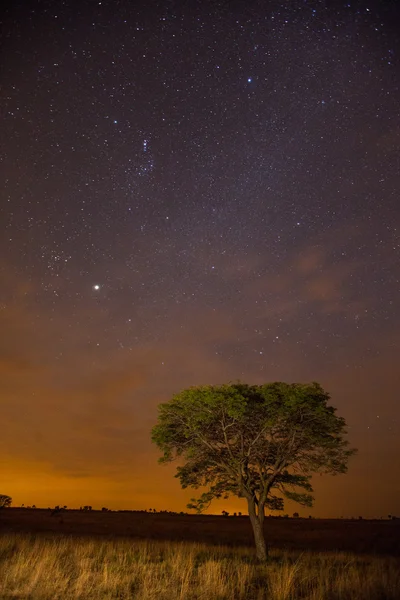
[(87, 508)]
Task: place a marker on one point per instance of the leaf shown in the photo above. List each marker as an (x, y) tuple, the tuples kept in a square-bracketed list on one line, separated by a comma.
[(252, 441)]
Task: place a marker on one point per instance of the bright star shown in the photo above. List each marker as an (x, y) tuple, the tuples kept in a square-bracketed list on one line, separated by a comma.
[(96, 287)]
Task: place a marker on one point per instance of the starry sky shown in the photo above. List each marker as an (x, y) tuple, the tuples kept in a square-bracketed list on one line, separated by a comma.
[(195, 193)]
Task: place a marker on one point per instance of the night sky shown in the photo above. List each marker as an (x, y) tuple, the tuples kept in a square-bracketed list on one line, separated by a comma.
[(195, 193)]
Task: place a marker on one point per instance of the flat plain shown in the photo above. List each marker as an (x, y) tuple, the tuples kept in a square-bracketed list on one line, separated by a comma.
[(348, 535), (144, 556)]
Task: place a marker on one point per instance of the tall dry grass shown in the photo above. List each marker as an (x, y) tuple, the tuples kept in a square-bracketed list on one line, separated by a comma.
[(40, 567)]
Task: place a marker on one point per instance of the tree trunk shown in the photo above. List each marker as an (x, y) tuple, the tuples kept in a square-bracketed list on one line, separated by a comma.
[(258, 531)]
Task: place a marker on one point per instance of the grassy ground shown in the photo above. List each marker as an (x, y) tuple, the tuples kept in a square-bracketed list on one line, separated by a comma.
[(39, 566), (316, 535)]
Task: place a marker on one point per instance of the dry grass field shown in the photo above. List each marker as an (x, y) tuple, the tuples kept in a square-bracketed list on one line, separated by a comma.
[(50, 566), (370, 537), (93, 555)]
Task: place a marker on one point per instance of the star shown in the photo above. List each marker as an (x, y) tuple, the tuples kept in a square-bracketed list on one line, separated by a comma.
[(96, 287)]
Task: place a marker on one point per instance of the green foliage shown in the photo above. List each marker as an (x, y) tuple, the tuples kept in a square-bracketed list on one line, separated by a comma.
[(5, 501), (261, 442)]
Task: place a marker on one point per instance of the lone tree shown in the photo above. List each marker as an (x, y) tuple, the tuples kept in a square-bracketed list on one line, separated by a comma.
[(5, 501), (260, 442)]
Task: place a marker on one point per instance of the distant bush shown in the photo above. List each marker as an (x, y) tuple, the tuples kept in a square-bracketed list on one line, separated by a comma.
[(57, 510), (5, 501)]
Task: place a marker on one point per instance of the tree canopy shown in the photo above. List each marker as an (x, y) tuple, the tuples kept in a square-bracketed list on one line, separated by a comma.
[(260, 442), (5, 501)]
